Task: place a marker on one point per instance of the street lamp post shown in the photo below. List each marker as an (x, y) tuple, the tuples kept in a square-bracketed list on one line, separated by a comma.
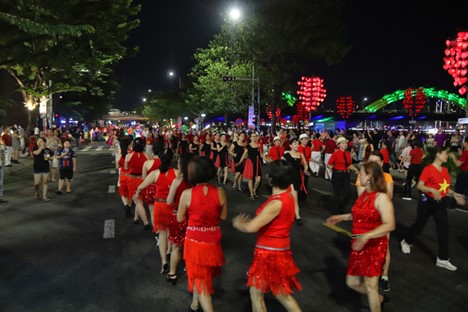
[(364, 100), (172, 74)]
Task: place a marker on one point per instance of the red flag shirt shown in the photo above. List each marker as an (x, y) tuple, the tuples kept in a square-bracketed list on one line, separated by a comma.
[(433, 178)]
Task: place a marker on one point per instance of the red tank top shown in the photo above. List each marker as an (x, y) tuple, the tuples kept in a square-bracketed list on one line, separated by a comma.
[(276, 233), (155, 166), (203, 215), (365, 216), (122, 165), (136, 163), (163, 183), (180, 189)]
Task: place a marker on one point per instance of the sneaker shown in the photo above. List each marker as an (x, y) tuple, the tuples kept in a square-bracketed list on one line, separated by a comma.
[(384, 285), (406, 198), (405, 247), (445, 264)]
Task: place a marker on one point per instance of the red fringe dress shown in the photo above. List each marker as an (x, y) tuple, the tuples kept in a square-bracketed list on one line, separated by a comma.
[(177, 229), (202, 249), (370, 260), (123, 176), (135, 165), (150, 191), (273, 268), (162, 213)]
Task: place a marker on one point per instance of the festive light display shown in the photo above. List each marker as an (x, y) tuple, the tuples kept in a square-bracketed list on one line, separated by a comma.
[(456, 61), (269, 114), (345, 106), (429, 92), (311, 93), (414, 106), (291, 100)]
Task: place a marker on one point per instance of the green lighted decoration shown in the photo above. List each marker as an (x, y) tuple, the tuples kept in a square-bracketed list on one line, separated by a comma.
[(399, 95), (291, 100)]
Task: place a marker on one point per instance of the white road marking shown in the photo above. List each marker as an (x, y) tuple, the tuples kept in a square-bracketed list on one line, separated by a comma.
[(111, 189), (87, 148), (112, 171), (99, 148), (323, 192), (109, 229)]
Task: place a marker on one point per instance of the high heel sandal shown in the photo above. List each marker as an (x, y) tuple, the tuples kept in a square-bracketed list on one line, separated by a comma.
[(165, 268), (192, 310), (252, 197), (172, 278)]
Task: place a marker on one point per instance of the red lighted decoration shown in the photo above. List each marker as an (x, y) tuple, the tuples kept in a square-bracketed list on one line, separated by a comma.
[(345, 106), (301, 113), (456, 61), (311, 93), (270, 115), (414, 106)]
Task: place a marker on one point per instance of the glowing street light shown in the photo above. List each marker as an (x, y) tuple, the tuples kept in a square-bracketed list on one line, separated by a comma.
[(235, 14), (364, 100), (144, 99), (172, 74)]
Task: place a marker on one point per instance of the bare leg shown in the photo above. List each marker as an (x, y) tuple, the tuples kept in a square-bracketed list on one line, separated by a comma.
[(205, 301), (372, 287), (163, 246), (288, 302), (68, 186), (175, 258), (387, 263), (257, 183), (140, 211), (194, 306), (60, 185), (251, 189), (226, 174), (44, 186), (257, 299)]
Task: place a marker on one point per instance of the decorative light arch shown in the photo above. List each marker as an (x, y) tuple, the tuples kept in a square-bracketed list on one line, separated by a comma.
[(399, 95)]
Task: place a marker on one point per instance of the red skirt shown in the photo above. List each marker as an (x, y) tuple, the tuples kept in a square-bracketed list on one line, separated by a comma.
[(177, 231), (150, 192), (274, 271), (248, 169), (203, 261), (123, 187), (133, 184), (370, 260), (217, 162), (162, 215)]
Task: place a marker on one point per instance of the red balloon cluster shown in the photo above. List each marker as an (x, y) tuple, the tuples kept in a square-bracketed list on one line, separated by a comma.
[(456, 60), (414, 106), (311, 92), (269, 114), (345, 106)]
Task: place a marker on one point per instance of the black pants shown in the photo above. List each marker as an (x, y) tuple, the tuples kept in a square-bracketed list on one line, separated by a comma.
[(414, 171), (342, 189), (438, 211)]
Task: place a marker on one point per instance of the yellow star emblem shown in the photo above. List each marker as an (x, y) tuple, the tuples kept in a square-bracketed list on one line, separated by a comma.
[(444, 186)]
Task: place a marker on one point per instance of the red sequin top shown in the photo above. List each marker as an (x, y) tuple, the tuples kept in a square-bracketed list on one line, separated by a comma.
[(203, 215), (163, 183), (365, 216), (276, 233)]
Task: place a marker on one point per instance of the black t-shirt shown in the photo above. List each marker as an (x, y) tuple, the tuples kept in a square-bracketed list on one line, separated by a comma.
[(41, 161)]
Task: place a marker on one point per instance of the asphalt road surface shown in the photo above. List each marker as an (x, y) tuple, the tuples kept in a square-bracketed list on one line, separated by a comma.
[(53, 256)]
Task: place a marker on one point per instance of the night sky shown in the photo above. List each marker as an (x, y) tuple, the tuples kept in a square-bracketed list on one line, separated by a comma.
[(395, 45)]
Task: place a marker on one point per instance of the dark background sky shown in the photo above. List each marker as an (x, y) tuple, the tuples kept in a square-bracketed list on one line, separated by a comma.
[(395, 45)]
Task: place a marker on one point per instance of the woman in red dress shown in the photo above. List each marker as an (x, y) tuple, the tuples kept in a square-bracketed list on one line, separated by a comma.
[(204, 206), (273, 268), (373, 219), (134, 164), (149, 166), (162, 213), (124, 143), (177, 229)]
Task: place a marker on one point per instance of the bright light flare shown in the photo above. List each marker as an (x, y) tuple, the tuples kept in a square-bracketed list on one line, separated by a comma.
[(235, 14)]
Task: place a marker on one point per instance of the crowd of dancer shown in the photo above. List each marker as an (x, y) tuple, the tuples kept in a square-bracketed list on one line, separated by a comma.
[(186, 207)]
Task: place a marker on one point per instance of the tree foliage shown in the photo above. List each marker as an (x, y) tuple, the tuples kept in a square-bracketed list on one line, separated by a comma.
[(165, 105), (72, 43), (282, 39)]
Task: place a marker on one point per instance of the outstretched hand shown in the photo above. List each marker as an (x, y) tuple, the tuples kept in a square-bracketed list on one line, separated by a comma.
[(240, 219)]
